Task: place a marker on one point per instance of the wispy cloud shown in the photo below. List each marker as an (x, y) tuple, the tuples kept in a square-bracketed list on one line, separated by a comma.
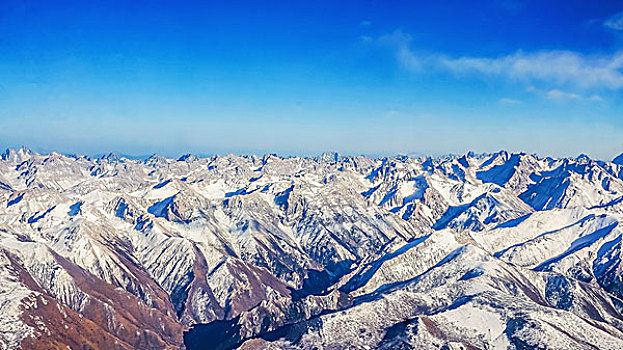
[(615, 22), (562, 68), (509, 101), (557, 94), (559, 67)]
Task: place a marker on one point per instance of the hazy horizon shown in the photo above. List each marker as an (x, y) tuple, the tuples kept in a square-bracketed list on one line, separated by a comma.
[(144, 156)]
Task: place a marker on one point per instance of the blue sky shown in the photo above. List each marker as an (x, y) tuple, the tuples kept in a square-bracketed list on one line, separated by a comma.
[(301, 77)]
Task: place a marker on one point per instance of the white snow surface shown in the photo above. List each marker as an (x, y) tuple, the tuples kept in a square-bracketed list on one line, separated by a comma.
[(496, 251)]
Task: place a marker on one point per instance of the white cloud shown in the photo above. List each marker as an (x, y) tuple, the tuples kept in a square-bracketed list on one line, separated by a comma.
[(557, 94), (410, 60), (558, 67), (509, 101), (595, 98), (615, 22), (397, 38), (561, 68)]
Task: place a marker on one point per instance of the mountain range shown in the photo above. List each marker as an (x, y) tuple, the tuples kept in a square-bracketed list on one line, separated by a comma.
[(476, 251)]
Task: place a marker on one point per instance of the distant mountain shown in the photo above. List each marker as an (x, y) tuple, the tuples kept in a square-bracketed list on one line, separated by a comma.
[(495, 251)]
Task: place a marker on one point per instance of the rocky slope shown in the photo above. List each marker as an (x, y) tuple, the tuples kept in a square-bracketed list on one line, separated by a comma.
[(499, 251)]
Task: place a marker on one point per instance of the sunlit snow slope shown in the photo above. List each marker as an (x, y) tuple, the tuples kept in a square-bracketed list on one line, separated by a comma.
[(498, 251)]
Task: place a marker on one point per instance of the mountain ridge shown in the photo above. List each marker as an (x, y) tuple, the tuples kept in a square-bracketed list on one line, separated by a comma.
[(459, 251)]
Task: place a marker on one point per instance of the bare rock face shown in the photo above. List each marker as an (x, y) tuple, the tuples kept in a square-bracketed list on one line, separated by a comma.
[(505, 251)]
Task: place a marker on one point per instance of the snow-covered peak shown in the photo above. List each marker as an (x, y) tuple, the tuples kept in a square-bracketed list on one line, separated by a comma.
[(17, 155), (502, 250)]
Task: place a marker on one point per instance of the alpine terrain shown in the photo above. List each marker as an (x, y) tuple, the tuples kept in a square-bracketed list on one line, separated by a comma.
[(494, 251)]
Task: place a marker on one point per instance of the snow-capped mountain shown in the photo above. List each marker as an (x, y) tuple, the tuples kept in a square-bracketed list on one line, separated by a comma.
[(498, 251)]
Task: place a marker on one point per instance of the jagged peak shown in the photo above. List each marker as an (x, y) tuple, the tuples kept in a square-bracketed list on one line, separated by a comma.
[(583, 158), (17, 154), (269, 157), (156, 160), (189, 158), (110, 157), (332, 157)]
